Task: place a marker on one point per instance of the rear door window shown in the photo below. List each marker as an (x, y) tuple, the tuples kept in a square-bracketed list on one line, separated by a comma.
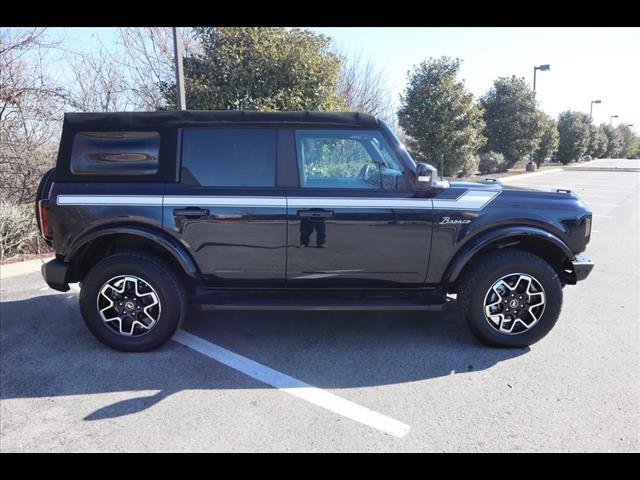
[(229, 157)]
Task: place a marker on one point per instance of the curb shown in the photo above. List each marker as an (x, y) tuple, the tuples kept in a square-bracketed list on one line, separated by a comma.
[(578, 166), (22, 268)]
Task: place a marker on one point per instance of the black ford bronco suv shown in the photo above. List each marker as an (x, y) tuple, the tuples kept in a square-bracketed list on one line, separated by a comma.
[(153, 212)]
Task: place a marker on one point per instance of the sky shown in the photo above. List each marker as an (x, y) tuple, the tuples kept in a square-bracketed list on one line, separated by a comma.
[(586, 63)]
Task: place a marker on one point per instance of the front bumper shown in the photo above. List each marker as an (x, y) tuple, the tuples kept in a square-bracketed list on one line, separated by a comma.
[(55, 274), (582, 266)]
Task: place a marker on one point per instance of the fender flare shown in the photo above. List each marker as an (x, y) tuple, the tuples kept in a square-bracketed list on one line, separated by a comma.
[(484, 239), (177, 250)]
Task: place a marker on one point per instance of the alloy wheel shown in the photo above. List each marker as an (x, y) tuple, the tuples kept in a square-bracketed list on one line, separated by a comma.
[(514, 303), (129, 305)]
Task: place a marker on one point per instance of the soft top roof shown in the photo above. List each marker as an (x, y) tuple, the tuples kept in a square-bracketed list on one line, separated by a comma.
[(184, 118)]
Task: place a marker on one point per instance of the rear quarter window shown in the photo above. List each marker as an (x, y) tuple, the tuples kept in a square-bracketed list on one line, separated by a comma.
[(115, 153)]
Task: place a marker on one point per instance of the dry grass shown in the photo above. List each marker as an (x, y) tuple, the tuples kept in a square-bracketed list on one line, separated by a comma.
[(18, 231)]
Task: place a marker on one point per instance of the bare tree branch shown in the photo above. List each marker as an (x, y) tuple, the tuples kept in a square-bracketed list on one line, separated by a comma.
[(30, 112)]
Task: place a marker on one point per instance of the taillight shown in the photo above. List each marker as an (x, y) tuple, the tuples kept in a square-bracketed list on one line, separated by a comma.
[(587, 226), (44, 225)]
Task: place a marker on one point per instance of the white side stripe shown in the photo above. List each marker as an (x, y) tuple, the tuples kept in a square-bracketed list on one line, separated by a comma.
[(293, 386), (470, 200), (171, 200), (351, 202), (109, 200)]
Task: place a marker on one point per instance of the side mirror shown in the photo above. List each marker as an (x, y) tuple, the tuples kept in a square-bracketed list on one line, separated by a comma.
[(426, 176)]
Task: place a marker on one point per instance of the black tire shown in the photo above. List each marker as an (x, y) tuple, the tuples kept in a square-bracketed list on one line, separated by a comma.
[(160, 277), (43, 193), (477, 282)]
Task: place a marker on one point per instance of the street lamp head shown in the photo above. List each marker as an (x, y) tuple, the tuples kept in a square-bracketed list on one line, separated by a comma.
[(614, 116), (544, 67), (596, 101)]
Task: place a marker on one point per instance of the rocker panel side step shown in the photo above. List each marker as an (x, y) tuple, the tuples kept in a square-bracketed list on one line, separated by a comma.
[(244, 301)]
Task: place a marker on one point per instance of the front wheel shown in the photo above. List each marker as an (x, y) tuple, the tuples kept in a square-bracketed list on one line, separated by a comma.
[(510, 298), (132, 302)]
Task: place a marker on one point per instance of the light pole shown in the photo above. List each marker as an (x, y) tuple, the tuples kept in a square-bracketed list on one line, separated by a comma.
[(177, 48), (611, 119), (542, 68), (591, 107)]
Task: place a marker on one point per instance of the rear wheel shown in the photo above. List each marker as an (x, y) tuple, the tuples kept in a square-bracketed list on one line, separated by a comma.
[(510, 298), (132, 302)]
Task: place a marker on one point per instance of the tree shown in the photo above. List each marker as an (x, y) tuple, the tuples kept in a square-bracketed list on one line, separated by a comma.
[(514, 125), (30, 112), (250, 68), (630, 142), (491, 162), (548, 141), (597, 141), (615, 142), (362, 87), (146, 58), (574, 131), (97, 85), (443, 123)]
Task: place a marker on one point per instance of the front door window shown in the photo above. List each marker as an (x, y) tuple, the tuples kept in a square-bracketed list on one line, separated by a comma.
[(354, 159)]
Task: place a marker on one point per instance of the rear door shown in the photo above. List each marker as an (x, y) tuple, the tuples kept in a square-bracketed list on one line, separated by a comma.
[(355, 219), (226, 208)]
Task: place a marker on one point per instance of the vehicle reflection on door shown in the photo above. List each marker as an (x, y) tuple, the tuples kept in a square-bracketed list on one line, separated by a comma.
[(314, 219)]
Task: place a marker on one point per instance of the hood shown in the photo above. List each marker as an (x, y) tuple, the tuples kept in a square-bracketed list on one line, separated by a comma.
[(476, 185), (489, 185)]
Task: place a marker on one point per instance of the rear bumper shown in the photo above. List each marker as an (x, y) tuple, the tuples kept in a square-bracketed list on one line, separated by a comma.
[(55, 274), (582, 266)]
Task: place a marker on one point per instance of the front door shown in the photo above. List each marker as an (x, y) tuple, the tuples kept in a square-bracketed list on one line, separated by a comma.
[(354, 221), (227, 209)]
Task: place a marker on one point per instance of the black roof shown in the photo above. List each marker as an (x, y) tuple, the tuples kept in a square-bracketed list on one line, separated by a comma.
[(184, 118)]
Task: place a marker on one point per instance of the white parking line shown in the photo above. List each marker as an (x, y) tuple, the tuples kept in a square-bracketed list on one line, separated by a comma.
[(599, 195), (293, 386), (613, 187), (596, 204), (605, 190)]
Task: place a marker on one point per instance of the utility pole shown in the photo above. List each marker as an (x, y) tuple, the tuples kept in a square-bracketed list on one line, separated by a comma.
[(178, 49)]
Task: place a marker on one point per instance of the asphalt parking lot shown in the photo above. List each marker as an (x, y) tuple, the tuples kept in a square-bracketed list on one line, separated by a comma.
[(342, 381)]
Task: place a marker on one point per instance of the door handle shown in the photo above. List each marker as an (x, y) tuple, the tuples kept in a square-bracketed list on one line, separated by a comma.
[(315, 213), (191, 212)]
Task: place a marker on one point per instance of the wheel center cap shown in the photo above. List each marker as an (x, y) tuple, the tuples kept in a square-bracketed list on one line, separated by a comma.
[(513, 303), (129, 305)]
